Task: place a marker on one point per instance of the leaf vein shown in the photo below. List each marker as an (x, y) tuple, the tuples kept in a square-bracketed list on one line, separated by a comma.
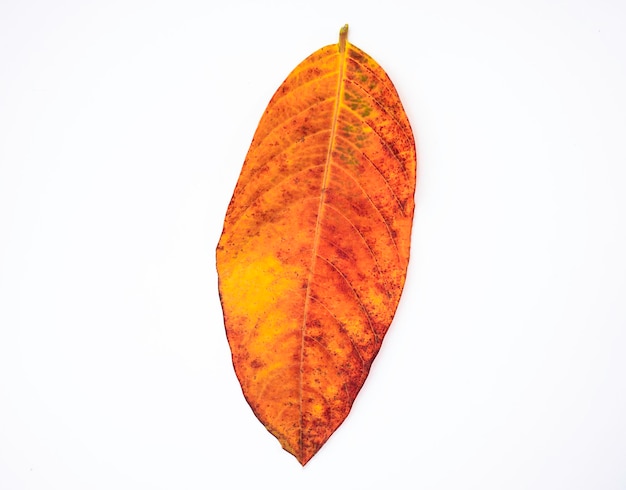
[(280, 123), (383, 141), (387, 183), (388, 85), (298, 87), (342, 330), (356, 295), (369, 249), (235, 220), (373, 205)]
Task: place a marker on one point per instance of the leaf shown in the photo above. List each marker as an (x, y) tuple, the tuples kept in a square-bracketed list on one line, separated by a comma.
[(313, 256)]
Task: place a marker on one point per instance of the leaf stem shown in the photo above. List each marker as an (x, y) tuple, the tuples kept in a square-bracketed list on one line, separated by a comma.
[(343, 37)]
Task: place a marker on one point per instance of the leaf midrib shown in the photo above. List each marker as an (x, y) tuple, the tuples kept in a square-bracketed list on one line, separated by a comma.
[(343, 49)]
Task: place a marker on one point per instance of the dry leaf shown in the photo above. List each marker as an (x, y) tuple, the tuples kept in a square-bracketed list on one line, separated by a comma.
[(313, 256)]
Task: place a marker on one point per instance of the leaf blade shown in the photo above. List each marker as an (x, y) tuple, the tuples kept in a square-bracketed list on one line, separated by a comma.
[(315, 246)]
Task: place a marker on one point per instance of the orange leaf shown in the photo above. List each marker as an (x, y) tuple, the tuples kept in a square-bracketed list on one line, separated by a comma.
[(315, 247)]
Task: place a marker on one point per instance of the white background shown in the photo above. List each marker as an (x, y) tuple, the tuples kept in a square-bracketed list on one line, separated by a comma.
[(123, 127)]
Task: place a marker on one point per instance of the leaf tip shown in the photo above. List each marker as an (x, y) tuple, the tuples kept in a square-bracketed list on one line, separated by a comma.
[(343, 37)]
